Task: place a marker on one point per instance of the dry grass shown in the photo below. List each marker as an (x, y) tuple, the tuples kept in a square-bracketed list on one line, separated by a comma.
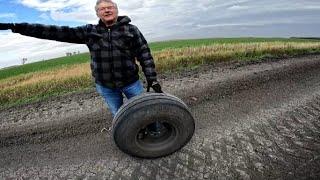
[(174, 58), (47, 76), (43, 84)]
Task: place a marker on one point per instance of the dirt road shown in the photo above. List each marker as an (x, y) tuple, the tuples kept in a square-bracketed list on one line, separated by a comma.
[(253, 121)]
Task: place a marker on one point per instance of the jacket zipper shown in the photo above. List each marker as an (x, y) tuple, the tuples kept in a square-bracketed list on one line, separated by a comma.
[(109, 35), (110, 53)]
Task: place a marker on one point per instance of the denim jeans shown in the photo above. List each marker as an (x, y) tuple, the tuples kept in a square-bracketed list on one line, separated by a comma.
[(114, 97)]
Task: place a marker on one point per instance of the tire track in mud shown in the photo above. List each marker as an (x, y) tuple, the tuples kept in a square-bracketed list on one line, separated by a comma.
[(275, 137), (83, 113), (286, 147)]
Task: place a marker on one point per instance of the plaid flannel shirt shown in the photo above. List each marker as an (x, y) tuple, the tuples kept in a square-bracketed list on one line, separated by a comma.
[(113, 50)]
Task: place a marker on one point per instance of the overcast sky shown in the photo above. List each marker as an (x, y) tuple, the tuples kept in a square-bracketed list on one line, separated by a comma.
[(158, 20)]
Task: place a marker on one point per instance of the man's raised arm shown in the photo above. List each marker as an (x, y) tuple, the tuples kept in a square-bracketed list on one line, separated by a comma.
[(59, 33)]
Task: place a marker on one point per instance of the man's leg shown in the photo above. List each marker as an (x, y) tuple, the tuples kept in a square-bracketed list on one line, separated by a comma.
[(133, 89), (112, 97)]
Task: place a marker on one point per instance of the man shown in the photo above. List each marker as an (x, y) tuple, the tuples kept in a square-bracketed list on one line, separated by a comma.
[(114, 46)]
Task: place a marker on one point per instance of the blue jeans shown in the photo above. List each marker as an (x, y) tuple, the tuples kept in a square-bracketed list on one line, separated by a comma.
[(114, 97)]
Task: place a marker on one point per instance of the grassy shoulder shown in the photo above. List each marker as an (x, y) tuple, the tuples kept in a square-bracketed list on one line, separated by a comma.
[(44, 65), (155, 47), (30, 86)]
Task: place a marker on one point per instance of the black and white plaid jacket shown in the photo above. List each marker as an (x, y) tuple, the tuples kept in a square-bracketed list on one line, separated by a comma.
[(113, 50)]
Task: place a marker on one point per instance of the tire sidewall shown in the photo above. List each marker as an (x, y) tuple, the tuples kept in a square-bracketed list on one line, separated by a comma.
[(132, 120)]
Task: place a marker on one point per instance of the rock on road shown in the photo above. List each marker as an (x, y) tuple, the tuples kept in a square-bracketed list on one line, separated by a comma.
[(253, 121)]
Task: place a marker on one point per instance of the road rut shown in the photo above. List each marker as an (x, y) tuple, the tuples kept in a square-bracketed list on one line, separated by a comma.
[(257, 121)]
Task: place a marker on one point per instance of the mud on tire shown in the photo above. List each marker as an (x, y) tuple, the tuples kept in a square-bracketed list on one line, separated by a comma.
[(131, 124)]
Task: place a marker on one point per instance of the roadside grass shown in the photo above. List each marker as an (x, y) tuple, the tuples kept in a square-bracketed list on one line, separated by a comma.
[(42, 90), (174, 44), (44, 65), (55, 80), (155, 47), (173, 59), (35, 86)]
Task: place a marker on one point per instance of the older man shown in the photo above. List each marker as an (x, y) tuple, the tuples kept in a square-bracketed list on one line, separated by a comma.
[(114, 46)]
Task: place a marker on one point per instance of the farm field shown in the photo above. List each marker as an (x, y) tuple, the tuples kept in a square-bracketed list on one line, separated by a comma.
[(36, 81)]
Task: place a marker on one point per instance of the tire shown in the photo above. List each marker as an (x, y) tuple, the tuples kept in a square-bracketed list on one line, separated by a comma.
[(131, 124)]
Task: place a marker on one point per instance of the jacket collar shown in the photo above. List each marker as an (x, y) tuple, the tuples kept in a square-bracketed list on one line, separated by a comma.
[(120, 21)]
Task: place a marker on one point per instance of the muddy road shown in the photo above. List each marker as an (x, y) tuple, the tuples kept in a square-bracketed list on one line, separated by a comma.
[(253, 121)]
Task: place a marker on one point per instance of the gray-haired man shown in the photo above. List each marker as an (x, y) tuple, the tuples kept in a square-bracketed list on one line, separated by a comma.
[(114, 46)]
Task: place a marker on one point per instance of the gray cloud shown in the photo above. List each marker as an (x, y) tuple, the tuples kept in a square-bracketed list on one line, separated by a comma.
[(16, 47), (225, 18), (160, 19), (175, 19)]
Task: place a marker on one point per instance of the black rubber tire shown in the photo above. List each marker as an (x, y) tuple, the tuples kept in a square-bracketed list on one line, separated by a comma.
[(139, 112)]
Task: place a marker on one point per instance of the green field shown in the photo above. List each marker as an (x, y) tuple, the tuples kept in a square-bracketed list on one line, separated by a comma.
[(44, 65), (37, 81), (155, 46)]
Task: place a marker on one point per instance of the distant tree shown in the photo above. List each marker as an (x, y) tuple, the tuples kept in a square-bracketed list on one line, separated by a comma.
[(24, 60)]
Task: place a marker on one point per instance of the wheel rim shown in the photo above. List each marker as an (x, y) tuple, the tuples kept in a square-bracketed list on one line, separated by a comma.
[(157, 141)]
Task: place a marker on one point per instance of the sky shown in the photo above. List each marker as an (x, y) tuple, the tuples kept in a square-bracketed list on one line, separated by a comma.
[(158, 20)]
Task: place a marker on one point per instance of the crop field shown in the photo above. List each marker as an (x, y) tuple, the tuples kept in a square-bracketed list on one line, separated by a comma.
[(36, 81)]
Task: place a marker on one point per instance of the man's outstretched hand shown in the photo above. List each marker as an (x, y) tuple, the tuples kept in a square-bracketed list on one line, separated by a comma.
[(155, 86), (6, 26)]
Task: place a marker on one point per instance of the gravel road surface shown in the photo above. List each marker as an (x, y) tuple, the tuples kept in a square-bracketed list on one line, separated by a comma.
[(253, 121)]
